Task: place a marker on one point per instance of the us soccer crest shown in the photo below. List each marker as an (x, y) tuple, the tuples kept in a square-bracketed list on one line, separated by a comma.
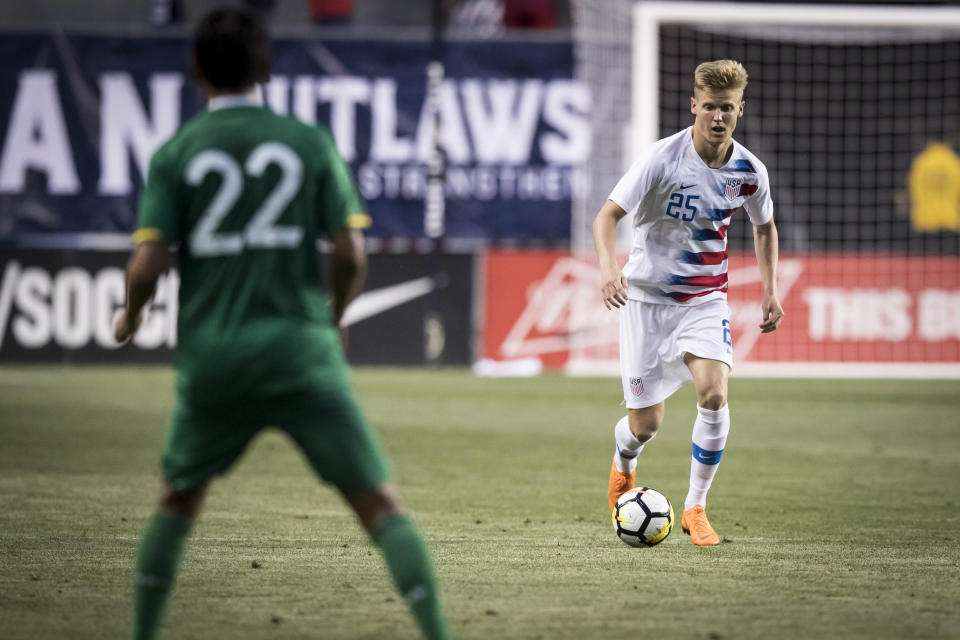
[(636, 386), (733, 187)]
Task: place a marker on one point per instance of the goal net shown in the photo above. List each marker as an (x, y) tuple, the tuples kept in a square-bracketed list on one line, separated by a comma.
[(855, 110)]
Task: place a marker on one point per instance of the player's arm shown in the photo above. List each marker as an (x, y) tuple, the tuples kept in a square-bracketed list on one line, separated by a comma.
[(348, 269), (342, 218), (157, 228), (613, 284), (150, 259), (766, 246)]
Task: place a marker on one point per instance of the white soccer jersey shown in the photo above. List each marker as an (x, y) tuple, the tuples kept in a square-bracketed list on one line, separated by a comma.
[(683, 209)]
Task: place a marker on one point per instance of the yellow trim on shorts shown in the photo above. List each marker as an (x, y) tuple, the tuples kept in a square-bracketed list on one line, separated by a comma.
[(147, 234), (359, 221)]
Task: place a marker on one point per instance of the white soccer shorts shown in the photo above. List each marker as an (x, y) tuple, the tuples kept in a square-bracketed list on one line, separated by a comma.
[(654, 339)]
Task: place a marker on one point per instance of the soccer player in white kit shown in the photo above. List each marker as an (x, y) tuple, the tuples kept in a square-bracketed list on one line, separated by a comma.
[(672, 293)]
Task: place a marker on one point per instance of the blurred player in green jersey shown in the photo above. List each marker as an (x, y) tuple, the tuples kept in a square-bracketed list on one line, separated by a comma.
[(245, 193)]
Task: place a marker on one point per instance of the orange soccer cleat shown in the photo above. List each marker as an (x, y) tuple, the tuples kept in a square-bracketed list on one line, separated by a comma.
[(620, 482), (694, 522)]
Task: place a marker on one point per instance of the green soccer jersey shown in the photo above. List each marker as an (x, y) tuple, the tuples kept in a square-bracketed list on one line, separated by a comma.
[(245, 193)]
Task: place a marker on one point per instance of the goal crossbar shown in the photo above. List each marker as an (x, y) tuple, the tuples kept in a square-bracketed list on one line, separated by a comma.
[(648, 16)]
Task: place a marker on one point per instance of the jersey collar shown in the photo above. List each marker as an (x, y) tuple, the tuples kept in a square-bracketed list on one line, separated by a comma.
[(250, 99), (734, 145)]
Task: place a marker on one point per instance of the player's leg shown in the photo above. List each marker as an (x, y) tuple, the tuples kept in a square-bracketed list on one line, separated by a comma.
[(711, 427), (644, 391), (159, 557), (344, 451), (709, 438), (703, 336), (405, 554), (631, 433), (200, 445)]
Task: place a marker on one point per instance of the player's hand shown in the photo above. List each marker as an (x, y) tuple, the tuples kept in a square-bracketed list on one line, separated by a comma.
[(772, 314), (614, 288), (124, 326)]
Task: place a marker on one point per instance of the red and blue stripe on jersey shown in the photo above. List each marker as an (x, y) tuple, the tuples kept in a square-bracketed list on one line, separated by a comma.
[(717, 282)]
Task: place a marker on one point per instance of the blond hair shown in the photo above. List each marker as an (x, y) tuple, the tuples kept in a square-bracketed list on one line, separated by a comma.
[(720, 75)]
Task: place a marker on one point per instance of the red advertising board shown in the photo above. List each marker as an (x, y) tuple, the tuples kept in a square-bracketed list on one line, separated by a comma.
[(887, 312)]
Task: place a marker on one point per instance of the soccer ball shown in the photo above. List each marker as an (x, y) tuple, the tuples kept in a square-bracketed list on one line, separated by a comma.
[(643, 517)]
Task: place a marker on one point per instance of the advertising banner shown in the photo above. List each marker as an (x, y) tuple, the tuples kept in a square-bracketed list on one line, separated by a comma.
[(850, 314), (58, 306), (80, 116)]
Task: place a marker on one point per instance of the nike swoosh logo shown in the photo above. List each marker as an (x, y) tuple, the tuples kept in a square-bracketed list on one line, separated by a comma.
[(371, 303), (686, 186)]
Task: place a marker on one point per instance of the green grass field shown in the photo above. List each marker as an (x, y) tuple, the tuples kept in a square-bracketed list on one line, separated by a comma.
[(837, 503)]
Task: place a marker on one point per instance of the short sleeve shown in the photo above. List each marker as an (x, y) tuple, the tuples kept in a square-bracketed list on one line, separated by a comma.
[(637, 181), (340, 204), (759, 206), (158, 212)]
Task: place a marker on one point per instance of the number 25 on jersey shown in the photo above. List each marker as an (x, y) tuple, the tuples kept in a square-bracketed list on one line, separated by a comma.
[(682, 208)]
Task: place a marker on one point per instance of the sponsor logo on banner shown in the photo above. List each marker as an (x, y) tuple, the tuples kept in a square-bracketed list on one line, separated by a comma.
[(543, 305), (45, 309), (515, 124), (59, 306), (843, 309), (733, 187)]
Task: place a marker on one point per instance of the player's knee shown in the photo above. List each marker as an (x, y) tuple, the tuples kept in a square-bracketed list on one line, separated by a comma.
[(372, 505), (644, 425), (645, 432), (713, 399), (183, 502)]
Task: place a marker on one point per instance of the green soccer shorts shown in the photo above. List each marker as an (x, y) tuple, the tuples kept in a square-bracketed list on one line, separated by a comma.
[(325, 422)]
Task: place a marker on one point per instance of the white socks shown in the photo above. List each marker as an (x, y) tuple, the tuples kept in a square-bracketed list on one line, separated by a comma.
[(709, 437), (628, 447)]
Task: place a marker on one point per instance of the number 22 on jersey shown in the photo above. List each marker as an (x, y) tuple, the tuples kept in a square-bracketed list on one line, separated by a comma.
[(262, 231)]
